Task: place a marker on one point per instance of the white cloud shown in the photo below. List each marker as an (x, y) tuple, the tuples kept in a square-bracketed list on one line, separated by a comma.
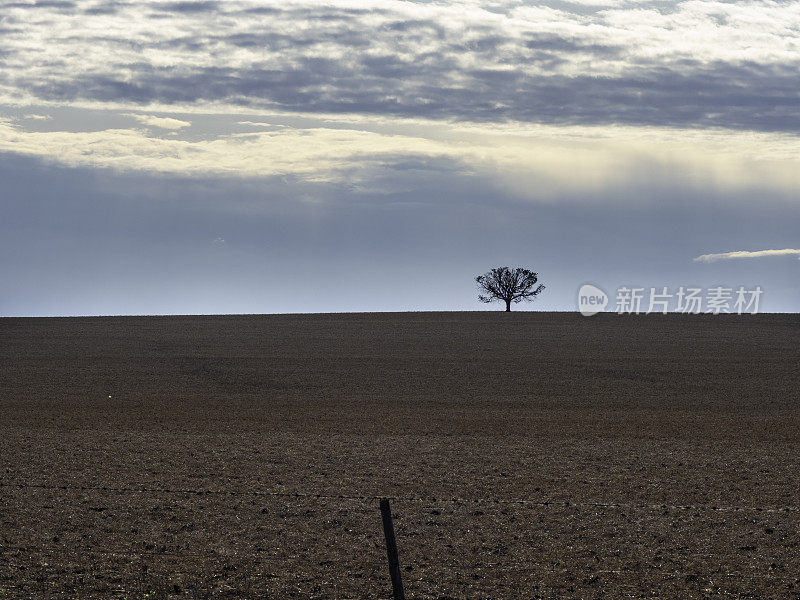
[(747, 254), (161, 122), (585, 61), (537, 162), (259, 124), (38, 117)]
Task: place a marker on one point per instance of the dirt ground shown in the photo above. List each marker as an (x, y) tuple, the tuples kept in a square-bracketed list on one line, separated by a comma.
[(242, 456)]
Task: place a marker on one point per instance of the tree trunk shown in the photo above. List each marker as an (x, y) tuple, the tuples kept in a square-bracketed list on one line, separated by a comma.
[(508, 305)]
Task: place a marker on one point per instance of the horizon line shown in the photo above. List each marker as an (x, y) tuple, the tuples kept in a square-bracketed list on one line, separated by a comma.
[(383, 312)]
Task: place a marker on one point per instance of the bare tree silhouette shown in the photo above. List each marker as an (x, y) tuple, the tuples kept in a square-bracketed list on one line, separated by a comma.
[(508, 285)]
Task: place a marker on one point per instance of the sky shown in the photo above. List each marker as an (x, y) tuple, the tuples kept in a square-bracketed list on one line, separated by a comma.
[(203, 157)]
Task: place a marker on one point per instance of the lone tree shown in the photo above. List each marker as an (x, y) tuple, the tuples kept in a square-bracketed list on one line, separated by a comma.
[(508, 285)]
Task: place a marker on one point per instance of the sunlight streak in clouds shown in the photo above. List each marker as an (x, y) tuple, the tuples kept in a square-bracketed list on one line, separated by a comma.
[(534, 162)]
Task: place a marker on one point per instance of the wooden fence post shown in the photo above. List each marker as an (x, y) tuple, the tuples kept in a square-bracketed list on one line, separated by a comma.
[(391, 550)]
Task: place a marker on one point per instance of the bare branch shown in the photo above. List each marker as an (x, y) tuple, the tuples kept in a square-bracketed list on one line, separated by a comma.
[(508, 285)]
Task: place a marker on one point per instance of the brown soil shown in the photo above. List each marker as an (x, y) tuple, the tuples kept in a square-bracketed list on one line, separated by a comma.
[(659, 454)]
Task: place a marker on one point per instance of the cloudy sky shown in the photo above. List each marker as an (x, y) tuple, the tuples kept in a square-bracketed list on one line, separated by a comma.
[(227, 157)]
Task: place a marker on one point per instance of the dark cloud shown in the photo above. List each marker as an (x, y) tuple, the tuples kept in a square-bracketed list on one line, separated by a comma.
[(56, 4), (263, 10), (417, 26), (187, 7), (102, 9), (743, 96), (338, 60), (555, 43)]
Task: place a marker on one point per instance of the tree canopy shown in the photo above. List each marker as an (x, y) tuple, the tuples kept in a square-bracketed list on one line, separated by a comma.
[(508, 285)]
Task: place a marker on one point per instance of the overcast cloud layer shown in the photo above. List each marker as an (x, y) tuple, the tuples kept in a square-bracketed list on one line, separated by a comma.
[(692, 63)]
